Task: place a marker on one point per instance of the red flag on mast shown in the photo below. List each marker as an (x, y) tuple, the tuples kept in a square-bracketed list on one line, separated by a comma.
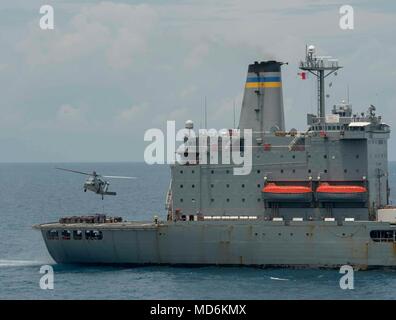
[(302, 75)]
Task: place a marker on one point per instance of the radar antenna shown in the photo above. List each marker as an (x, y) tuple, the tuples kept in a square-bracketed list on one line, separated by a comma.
[(320, 67)]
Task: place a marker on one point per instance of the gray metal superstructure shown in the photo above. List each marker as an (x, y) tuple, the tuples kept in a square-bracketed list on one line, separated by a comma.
[(309, 198)]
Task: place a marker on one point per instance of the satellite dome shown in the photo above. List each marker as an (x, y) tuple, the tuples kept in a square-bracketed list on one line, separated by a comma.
[(189, 124)]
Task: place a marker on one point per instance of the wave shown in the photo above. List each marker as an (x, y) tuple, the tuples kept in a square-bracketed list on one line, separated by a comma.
[(22, 263), (279, 279)]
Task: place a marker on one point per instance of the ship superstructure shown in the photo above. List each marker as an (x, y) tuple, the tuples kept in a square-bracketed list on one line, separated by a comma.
[(342, 152), (318, 197)]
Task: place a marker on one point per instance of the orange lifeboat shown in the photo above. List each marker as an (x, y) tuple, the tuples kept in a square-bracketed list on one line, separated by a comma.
[(341, 193), (277, 193)]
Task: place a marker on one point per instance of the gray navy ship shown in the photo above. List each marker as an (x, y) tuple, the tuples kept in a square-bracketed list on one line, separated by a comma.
[(313, 198)]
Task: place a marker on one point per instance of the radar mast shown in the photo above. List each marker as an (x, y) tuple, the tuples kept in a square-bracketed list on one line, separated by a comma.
[(320, 67)]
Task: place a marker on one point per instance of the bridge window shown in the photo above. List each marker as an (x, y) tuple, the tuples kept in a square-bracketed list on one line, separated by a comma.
[(52, 235), (66, 234), (93, 235), (382, 235), (77, 234)]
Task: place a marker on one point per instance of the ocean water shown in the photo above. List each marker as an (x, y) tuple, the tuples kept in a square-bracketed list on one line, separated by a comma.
[(36, 193)]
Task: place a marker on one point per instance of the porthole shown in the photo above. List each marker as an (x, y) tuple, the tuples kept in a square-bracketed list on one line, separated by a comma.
[(212, 185), (193, 186), (243, 199), (294, 170), (228, 200), (181, 200), (243, 186), (212, 200), (192, 171), (259, 185), (293, 156), (227, 171), (258, 171), (258, 200), (227, 185), (357, 156), (212, 172), (325, 156), (325, 170), (345, 170), (181, 171), (281, 171), (309, 171), (181, 186)]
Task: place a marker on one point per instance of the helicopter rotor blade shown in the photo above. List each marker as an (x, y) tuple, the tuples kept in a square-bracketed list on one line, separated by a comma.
[(74, 171), (119, 177)]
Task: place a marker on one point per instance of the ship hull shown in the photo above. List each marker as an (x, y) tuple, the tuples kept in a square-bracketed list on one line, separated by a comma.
[(258, 243)]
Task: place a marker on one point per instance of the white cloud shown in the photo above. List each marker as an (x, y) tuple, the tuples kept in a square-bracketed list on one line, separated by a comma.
[(119, 31), (196, 56)]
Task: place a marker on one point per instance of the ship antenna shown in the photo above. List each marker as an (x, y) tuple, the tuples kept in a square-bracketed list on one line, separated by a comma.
[(234, 113), (321, 67), (348, 93), (205, 113)]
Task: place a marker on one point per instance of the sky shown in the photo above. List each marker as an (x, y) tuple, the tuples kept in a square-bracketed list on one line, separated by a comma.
[(110, 70)]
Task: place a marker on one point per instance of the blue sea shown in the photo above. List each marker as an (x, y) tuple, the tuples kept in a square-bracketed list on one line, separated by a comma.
[(36, 193)]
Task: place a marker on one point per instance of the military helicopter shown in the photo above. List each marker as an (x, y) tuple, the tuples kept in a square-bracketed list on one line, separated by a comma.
[(96, 183)]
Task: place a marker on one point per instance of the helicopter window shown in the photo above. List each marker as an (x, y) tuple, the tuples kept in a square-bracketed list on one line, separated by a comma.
[(66, 235), (77, 234), (52, 235)]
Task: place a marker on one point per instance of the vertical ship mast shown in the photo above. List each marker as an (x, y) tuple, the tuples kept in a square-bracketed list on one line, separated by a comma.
[(320, 67)]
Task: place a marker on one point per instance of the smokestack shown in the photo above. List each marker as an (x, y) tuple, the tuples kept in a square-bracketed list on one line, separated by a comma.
[(262, 105)]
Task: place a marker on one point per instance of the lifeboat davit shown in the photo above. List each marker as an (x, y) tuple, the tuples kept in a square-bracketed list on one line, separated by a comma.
[(341, 193), (277, 193)]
